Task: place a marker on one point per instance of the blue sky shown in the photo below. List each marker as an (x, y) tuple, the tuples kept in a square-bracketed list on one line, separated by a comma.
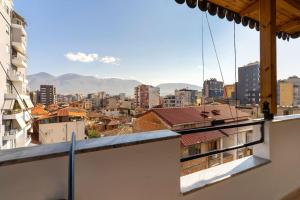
[(155, 41)]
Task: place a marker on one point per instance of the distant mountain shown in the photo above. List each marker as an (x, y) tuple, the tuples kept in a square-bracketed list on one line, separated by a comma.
[(169, 88), (75, 83)]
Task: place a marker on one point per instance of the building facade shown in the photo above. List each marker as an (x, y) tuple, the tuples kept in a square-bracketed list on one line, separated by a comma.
[(248, 84), (185, 97), (286, 94), (213, 88), (47, 95), (14, 100), (146, 96), (229, 91), (296, 83)]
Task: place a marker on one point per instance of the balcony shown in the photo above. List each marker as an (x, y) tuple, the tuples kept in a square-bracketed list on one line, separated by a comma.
[(19, 28), (16, 76), (12, 134), (19, 43), (147, 166), (19, 60)]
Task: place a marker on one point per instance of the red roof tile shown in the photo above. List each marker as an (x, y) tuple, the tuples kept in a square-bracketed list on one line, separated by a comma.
[(195, 114), (196, 138)]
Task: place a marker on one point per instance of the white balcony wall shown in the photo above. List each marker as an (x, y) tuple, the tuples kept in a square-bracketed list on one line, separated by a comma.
[(271, 181), (143, 171), (151, 171)]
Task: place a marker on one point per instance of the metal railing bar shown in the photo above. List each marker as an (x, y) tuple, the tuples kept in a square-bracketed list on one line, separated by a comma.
[(71, 168), (261, 140), (213, 128)]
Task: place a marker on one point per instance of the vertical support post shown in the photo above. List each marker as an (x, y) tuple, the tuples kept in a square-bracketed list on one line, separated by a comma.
[(268, 79), (71, 177)]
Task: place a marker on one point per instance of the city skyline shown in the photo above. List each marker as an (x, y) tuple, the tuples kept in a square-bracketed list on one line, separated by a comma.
[(128, 41)]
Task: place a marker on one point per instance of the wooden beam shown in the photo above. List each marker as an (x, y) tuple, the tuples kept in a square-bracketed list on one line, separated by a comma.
[(250, 8), (293, 6), (268, 72), (290, 26)]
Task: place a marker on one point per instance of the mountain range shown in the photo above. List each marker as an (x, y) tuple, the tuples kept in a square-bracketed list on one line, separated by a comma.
[(75, 83)]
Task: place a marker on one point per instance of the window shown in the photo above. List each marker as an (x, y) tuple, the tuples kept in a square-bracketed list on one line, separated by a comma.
[(7, 48), (7, 28), (213, 145), (194, 149)]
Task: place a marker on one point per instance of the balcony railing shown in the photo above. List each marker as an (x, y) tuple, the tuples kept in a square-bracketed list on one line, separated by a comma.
[(19, 60), (146, 166), (214, 128), (16, 75)]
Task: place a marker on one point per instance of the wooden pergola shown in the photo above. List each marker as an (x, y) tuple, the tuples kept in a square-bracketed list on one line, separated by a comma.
[(272, 18)]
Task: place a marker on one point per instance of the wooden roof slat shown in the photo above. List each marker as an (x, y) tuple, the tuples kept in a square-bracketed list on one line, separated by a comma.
[(250, 8), (287, 13), (290, 26), (292, 6)]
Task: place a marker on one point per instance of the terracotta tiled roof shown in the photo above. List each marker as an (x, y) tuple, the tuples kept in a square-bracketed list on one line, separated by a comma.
[(197, 114), (70, 111), (38, 110), (113, 123), (195, 138)]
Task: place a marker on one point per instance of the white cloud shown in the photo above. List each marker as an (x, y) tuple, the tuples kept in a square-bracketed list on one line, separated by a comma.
[(82, 57), (109, 60), (87, 58)]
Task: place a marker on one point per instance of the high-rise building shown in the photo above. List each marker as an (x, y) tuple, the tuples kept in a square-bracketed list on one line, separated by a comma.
[(15, 103), (248, 84), (213, 89), (185, 97), (47, 95), (146, 96)]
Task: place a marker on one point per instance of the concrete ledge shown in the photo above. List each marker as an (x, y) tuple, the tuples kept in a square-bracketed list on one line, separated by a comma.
[(27, 154), (210, 176)]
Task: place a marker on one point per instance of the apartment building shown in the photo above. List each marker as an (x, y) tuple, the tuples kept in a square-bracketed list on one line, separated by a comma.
[(146, 96), (185, 97), (15, 103), (213, 88), (193, 117), (296, 83), (47, 95), (285, 94), (248, 84), (169, 101), (58, 126)]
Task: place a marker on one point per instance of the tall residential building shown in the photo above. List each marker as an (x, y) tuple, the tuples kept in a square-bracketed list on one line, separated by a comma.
[(15, 103), (47, 95), (146, 96), (213, 88), (248, 84), (186, 97)]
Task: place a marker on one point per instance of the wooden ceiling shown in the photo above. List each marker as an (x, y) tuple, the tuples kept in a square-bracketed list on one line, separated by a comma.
[(247, 11)]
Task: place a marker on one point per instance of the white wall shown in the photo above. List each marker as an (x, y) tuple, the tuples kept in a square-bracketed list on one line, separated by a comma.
[(272, 181), (143, 171), (151, 171), (61, 132)]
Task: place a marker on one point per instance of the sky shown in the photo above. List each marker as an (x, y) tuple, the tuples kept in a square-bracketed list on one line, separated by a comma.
[(154, 42)]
